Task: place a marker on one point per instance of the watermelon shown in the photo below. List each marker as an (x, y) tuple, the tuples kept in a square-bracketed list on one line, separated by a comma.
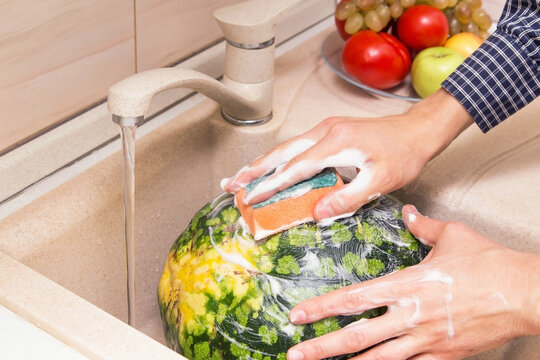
[(224, 295)]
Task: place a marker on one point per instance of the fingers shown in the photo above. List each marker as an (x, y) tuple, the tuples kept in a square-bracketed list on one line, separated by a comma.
[(359, 336), (281, 154), (366, 186), (301, 157), (350, 300), (284, 177), (263, 165), (325, 153), (402, 348), (425, 229)]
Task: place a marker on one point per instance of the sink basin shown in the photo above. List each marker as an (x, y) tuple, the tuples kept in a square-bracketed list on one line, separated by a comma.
[(73, 235)]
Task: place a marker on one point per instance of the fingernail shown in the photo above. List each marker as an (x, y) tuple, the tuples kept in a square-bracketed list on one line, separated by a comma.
[(297, 316), (295, 355), (323, 210), (411, 217)]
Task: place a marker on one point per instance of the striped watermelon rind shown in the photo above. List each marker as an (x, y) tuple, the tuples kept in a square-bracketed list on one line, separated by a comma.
[(225, 296)]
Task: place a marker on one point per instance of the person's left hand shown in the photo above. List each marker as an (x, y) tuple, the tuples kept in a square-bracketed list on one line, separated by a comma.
[(468, 295)]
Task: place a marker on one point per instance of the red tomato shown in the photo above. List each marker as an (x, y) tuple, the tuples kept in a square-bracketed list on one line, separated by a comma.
[(378, 60), (422, 26)]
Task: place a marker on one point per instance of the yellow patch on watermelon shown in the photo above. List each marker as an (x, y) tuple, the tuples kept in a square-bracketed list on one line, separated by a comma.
[(212, 273)]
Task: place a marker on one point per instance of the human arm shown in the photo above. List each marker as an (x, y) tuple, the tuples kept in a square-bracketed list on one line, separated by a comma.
[(503, 75), (388, 152), (468, 295)]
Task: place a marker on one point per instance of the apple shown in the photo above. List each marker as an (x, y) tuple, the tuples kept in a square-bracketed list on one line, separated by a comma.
[(431, 67)]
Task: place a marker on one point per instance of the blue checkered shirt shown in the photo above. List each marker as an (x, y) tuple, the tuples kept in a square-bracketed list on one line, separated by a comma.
[(503, 75)]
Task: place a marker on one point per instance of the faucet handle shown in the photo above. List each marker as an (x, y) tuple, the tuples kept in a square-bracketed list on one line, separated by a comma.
[(251, 24)]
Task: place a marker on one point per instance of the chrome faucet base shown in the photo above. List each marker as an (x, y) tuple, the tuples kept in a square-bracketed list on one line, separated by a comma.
[(259, 46), (240, 122)]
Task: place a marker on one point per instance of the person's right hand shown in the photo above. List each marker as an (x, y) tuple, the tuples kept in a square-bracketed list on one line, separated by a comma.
[(387, 152)]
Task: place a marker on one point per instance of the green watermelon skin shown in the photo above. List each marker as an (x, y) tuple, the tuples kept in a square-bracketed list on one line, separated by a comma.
[(225, 296)]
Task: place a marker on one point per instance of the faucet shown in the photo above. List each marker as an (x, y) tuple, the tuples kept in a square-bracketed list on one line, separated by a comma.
[(245, 94), (246, 91)]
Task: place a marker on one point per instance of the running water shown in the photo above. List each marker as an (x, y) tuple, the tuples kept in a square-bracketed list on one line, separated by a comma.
[(128, 130)]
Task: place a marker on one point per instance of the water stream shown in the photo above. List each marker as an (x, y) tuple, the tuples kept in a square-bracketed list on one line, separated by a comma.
[(128, 129)]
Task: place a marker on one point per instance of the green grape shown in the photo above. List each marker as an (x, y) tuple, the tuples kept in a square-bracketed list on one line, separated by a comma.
[(452, 3), (483, 34), (463, 12), (373, 21), (345, 9), (384, 14), (449, 13), (406, 3), (390, 2), (354, 23), (470, 28), (439, 4), (396, 10), (481, 18), (454, 26), (366, 5), (475, 4)]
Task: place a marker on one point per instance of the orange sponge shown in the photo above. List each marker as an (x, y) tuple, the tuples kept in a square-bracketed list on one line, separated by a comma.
[(285, 209)]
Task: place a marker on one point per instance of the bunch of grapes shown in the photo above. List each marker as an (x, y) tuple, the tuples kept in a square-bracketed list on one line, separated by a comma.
[(372, 14), (462, 15), (468, 16)]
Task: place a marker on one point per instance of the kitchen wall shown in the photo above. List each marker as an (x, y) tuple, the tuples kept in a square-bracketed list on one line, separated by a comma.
[(59, 57)]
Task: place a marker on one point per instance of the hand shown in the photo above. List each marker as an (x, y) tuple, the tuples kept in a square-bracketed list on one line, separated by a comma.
[(388, 153), (468, 295)]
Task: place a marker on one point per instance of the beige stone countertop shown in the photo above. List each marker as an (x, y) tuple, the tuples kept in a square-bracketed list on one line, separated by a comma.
[(63, 255)]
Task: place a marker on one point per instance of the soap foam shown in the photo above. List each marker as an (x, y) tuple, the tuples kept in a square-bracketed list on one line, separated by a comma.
[(270, 162), (498, 295), (329, 221), (293, 149), (407, 302), (428, 275), (309, 168)]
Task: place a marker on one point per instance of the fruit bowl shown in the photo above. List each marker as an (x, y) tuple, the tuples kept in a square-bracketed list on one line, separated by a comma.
[(331, 53)]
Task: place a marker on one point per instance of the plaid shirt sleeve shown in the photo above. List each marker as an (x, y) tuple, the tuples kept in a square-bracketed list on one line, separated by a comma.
[(503, 75)]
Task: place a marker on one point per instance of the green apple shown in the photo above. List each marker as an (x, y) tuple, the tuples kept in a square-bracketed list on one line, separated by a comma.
[(431, 67)]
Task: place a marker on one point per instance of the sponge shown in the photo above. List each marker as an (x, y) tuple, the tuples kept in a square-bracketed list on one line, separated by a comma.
[(287, 208)]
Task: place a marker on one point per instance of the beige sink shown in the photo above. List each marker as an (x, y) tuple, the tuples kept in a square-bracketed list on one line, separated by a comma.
[(73, 235)]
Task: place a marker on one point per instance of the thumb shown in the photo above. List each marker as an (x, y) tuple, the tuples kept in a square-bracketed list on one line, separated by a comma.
[(348, 198), (425, 229)]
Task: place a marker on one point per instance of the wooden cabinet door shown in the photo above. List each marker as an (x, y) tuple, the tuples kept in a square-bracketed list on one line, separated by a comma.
[(57, 58), (169, 30)]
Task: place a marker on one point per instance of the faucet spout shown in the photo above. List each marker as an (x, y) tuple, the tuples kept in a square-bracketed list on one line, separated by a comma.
[(245, 103)]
